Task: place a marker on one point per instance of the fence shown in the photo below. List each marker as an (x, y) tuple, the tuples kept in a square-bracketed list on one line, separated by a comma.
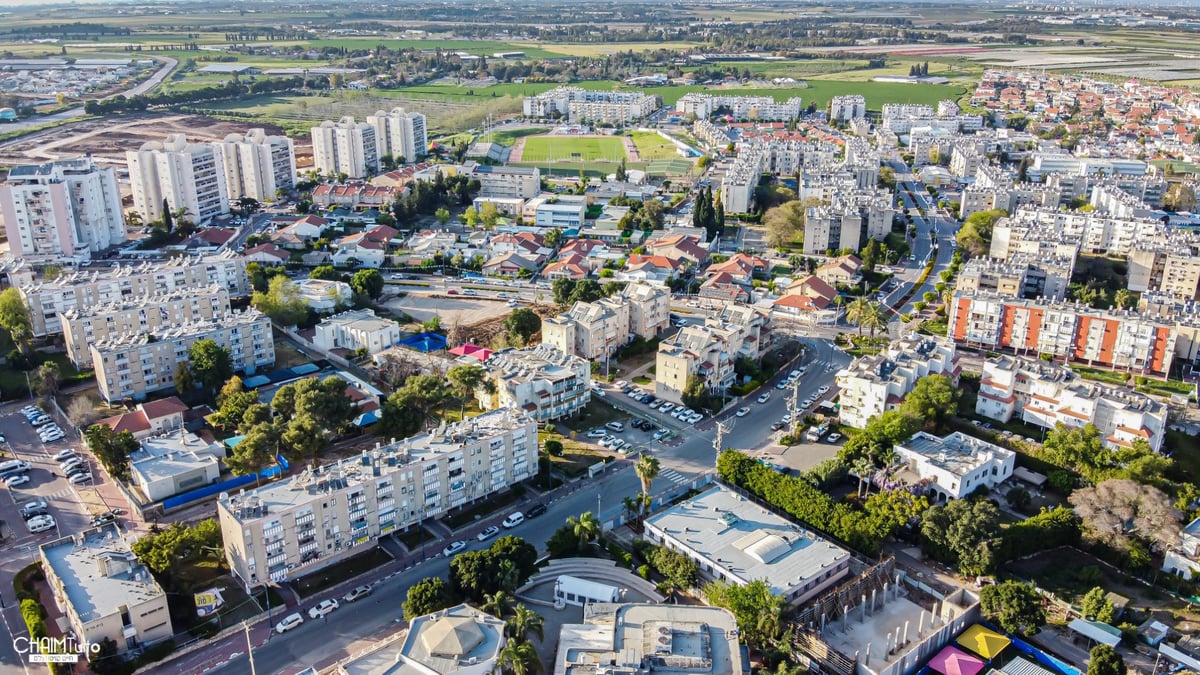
[(181, 500)]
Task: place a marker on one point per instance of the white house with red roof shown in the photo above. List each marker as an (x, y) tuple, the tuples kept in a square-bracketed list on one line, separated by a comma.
[(266, 254), (368, 248), (679, 247), (649, 268), (149, 418)]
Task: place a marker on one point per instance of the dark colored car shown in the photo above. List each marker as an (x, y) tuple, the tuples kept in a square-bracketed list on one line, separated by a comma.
[(535, 510)]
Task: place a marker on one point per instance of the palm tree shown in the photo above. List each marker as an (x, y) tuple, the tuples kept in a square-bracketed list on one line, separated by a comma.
[(874, 318), (862, 468), (839, 301), (795, 261), (586, 527), (857, 310), (520, 658), (769, 622), (525, 621), (498, 604), (647, 470), (1123, 298)]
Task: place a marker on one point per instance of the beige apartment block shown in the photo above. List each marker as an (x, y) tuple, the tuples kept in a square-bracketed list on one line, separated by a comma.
[(138, 363), (540, 381), (83, 326), (328, 513)]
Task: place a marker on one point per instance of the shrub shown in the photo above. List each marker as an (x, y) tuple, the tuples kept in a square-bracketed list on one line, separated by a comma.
[(554, 447), (643, 571), (33, 614)]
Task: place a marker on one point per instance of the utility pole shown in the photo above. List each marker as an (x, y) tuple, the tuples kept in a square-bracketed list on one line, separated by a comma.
[(793, 404), (249, 648), (719, 440)]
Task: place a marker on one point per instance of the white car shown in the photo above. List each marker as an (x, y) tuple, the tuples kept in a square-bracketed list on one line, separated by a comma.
[(621, 384), (802, 370), (357, 593), (666, 407), (14, 481), (53, 438), (289, 622), (64, 455), (654, 405), (597, 433), (834, 437), (694, 418), (81, 478), (490, 532), (787, 419), (325, 607), (794, 374), (40, 524), (764, 398), (823, 389), (453, 547), (513, 520), (742, 412), (783, 384), (607, 441)]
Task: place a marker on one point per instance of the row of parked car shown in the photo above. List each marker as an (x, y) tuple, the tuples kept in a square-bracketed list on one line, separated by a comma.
[(48, 429), (679, 412)]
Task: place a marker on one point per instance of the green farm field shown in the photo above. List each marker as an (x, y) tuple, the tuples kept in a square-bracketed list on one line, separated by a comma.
[(569, 148)]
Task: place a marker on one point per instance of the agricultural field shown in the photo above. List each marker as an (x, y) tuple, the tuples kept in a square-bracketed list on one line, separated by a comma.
[(573, 149)]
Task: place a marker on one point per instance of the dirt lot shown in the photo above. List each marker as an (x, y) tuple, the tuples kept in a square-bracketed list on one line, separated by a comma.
[(450, 310), (108, 139)]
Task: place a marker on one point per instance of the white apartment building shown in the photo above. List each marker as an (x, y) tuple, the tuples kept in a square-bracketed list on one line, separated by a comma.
[(136, 364), (507, 182), (328, 513), (594, 330), (846, 108), (580, 105), (1022, 275), (258, 165), (872, 385), (1168, 264), (357, 329), (68, 208), (104, 591), (1046, 395), (742, 107), (96, 323), (541, 382), (78, 290), (189, 176), (710, 351), (400, 134), (713, 135), (345, 147), (1044, 164), (736, 541), (563, 212), (1097, 233), (956, 465)]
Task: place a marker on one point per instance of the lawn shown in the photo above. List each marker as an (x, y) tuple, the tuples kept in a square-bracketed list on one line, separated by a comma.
[(491, 505), (651, 146), (573, 149), (577, 457), (1098, 375), (1148, 385), (343, 571), (13, 382)]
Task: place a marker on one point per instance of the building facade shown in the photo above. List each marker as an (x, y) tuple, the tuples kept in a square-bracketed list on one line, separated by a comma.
[(956, 465), (47, 300), (357, 329), (541, 382), (187, 176), (741, 107), (872, 385), (1046, 395), (258, 165), (96, 323), (104, 591), (400, 134), (317, 518), (508, 182), (136, 364), (69, 208), (345, 147), (710, 351)]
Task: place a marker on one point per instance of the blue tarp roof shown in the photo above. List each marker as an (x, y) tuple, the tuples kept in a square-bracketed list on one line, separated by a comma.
[(256, 381), (232, 441), (367, 419), (425, 342)]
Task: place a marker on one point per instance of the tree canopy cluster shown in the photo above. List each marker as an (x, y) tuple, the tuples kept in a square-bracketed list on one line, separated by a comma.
[(505, 565)]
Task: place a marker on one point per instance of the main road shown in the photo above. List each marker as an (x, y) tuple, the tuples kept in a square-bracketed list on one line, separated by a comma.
[(931, 228), (353, 628)]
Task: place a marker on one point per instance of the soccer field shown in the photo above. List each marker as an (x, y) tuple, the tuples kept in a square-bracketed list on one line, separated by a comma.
[(571, 148), (651, 146)]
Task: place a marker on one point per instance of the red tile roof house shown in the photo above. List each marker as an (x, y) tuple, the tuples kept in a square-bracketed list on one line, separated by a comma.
[(679, 247), (267, 254), (149, 418), (509, 264), (650, 268), (369, 247), (725, 286)]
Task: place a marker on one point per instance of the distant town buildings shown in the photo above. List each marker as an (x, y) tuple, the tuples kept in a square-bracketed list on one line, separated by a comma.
[(507, 182), (326, 514), (346, 147), (184, 176), (710, 351), (872, 385), (846, 108), (704, 106), (596, 107), (69, 208)]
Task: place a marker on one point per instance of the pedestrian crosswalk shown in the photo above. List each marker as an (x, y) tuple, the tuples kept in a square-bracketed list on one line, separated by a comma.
[(673, 476)]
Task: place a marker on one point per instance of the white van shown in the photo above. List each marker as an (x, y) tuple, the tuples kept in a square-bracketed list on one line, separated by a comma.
[(514, 519), (14, 466), (615, 426)]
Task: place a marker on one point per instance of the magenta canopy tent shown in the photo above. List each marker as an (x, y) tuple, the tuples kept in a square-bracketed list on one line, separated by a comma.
[(954, 661)]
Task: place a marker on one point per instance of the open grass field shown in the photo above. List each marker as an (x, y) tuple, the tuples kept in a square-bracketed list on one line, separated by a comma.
[(573, 149), (651, 146)]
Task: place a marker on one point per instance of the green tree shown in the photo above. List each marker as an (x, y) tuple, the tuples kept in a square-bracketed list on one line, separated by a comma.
[(185, 384), (426, 597), (45, 379), (962, 532), (282, 302), (255, 452), (1104, 660), (499, 604), (783, 223), (1123, 298), (871, 255), (647, 469), (257, 276), (585, 527), (368, 283), (758, 611), (934, 400), (303, 439), (525, 622), (210, 363), (975, 236), (519, 658), (505, 565), (1096, 606), (857, 310), (553, 447), (325, 273), (552, 237), (407, 409), (695, 393), (233, 407), (1015, 607), (521, 325), (442, 215), (112, 449), (679, 570), (14, 318), (465, 379), (489, 214)]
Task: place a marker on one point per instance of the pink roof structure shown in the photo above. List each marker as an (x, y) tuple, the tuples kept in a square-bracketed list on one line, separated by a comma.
[(474, 351), (954, 661)]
